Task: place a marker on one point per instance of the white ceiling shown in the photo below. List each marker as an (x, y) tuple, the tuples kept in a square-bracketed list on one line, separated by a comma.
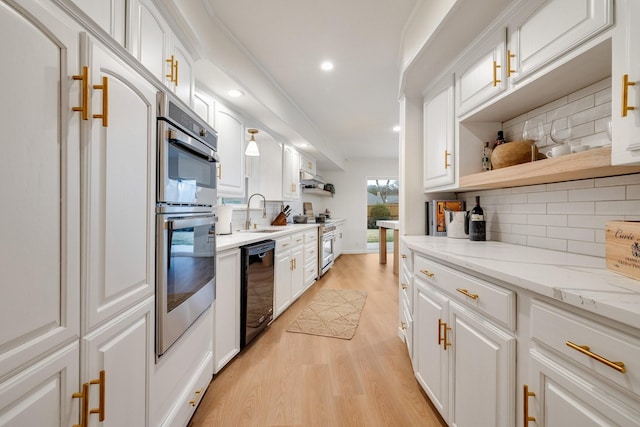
[(347, 113)]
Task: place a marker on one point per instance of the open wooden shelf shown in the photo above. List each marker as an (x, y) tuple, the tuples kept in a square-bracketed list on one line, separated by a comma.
[(587, 164), (316, 192)]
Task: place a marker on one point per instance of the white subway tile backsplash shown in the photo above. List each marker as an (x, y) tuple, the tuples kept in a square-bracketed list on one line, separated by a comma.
[(564, 216)]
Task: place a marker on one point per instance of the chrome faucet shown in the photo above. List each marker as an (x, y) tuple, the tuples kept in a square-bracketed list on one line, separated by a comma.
[(247, 222)]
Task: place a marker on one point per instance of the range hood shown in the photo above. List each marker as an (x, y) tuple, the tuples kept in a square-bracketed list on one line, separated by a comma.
[(308, 179)]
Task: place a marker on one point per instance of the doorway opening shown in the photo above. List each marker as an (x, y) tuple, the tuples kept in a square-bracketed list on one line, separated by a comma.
[(382, 204)]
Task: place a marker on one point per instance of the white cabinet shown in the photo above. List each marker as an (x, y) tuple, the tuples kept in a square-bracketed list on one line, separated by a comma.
[(307, 164), (159, 50), (289, 271), (290, 173), (310, 257), (582, 372), (540, 36), (406, 297), (110, 15), (227, 308), (204, 106), (338, 244), (231, 169), (439, 139), (625, 90), (118, 189), (484, 75), (464, 361)]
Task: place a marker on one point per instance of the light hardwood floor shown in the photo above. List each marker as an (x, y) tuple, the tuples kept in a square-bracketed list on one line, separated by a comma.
[(290, 379)]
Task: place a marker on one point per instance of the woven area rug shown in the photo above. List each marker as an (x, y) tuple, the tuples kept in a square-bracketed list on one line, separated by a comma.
[(332, 313)]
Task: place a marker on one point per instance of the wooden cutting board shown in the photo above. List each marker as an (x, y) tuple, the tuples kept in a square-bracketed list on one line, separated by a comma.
[(308, 210)]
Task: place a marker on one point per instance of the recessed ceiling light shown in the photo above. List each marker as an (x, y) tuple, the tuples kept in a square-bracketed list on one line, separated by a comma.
[(235, 93), (396, 128), (326, 66)]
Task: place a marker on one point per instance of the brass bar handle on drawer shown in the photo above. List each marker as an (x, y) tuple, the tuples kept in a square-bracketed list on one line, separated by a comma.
[(467, 293), (584, 349), (526, 394), (101, 382), (495, 74), (105, 102), (171, 68), (509, 69), (442, 333), (84, 103), (446, 159), (403, 256), (427, 273), (440, 323), (195, 397), (84, 405), (176, 75), (625, 95)]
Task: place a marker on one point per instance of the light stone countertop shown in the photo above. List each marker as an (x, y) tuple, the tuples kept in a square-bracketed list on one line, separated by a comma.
[(241, 238), (385, 223), (580, 280)]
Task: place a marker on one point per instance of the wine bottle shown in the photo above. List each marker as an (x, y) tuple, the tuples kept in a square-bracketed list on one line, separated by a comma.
[(500, 140), (486, 157), (477, 224)]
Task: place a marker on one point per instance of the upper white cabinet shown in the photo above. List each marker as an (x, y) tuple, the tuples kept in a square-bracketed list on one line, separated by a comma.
[(439, 139), (110, 15), (484, 75), (154, 44), (625, 115), (542, 34), (307, 164), (290, 173), (231, 169), (204, 106)]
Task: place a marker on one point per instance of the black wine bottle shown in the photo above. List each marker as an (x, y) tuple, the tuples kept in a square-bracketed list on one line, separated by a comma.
[(500, 140), (477, 224)]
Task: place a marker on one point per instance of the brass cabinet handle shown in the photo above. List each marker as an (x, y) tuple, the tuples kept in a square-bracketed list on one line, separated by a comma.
[(403, 326), (84, 103), (467, 293), (427, 273), (293, 188), (509, 69), (404, 286), (495, 74), (446, 159), (101, 407), (84, 405), (171, 62), (197, 394), (105, 102), (290, 264), (625, 95), (220, 171), (176, 74), (526, 394), (403, 256), (584, 349), (442, 334)]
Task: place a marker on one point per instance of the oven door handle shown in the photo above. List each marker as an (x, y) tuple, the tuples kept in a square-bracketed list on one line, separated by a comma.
[(191, 222), (197, 148)]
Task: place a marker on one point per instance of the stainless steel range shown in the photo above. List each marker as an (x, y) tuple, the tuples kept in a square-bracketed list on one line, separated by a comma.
[(326, 245)]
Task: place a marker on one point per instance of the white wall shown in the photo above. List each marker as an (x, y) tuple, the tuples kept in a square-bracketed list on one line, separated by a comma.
[(350, 200)]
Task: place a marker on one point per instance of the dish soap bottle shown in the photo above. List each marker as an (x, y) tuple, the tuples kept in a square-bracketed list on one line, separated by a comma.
[(477, 224), (486, 157), (500, 140)]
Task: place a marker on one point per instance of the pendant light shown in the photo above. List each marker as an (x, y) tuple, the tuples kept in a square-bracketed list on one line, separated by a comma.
[(252, 148)]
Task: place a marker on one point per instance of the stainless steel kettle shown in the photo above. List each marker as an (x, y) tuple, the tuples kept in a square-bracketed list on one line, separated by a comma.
[(457, 223)]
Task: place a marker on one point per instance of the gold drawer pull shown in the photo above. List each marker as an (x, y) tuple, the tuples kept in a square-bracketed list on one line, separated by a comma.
[(101, 381), (404, 286), (403, 326), (467, 293), (84, 405), (625, 95), (509, 69), (104, 87), (442, 333), (195, 397), (526, 394), (403, 256), (84, 103), (495, 74), (446, 159), (427, 273), (584, 349)]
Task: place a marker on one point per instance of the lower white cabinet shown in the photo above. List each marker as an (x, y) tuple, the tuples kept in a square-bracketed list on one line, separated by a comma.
[(465, 362), (310, 257), (227, 308), (338, 243), (289, 271)]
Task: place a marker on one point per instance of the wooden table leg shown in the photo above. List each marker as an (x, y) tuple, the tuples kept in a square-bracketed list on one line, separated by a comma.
[(383, 245), (396, 246)]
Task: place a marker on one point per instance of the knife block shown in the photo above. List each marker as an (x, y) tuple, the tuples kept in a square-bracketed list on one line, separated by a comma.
[(281, 219)]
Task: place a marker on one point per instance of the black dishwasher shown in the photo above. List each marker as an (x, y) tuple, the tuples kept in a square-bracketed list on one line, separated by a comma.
[(257, 278)]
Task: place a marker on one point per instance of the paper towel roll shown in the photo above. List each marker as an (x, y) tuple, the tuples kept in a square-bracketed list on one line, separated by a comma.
[(225, 212)]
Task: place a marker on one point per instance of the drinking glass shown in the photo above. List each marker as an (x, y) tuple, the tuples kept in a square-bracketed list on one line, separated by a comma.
[(561, 130), (533, 131)]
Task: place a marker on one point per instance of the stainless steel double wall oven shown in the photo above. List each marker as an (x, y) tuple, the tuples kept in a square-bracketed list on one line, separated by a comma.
[(185, 220)]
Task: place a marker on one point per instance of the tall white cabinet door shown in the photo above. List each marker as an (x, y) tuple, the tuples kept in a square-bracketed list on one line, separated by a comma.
[(39, 182), (282, 286), (227, 308), (231, 151), (439, 139), (291, 174), (485, 366), (625, 122), (110, 15), (121, 349), (119, 190), (297, 273), (42, 394), (431, 364), (183, 72), (150, 38)]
